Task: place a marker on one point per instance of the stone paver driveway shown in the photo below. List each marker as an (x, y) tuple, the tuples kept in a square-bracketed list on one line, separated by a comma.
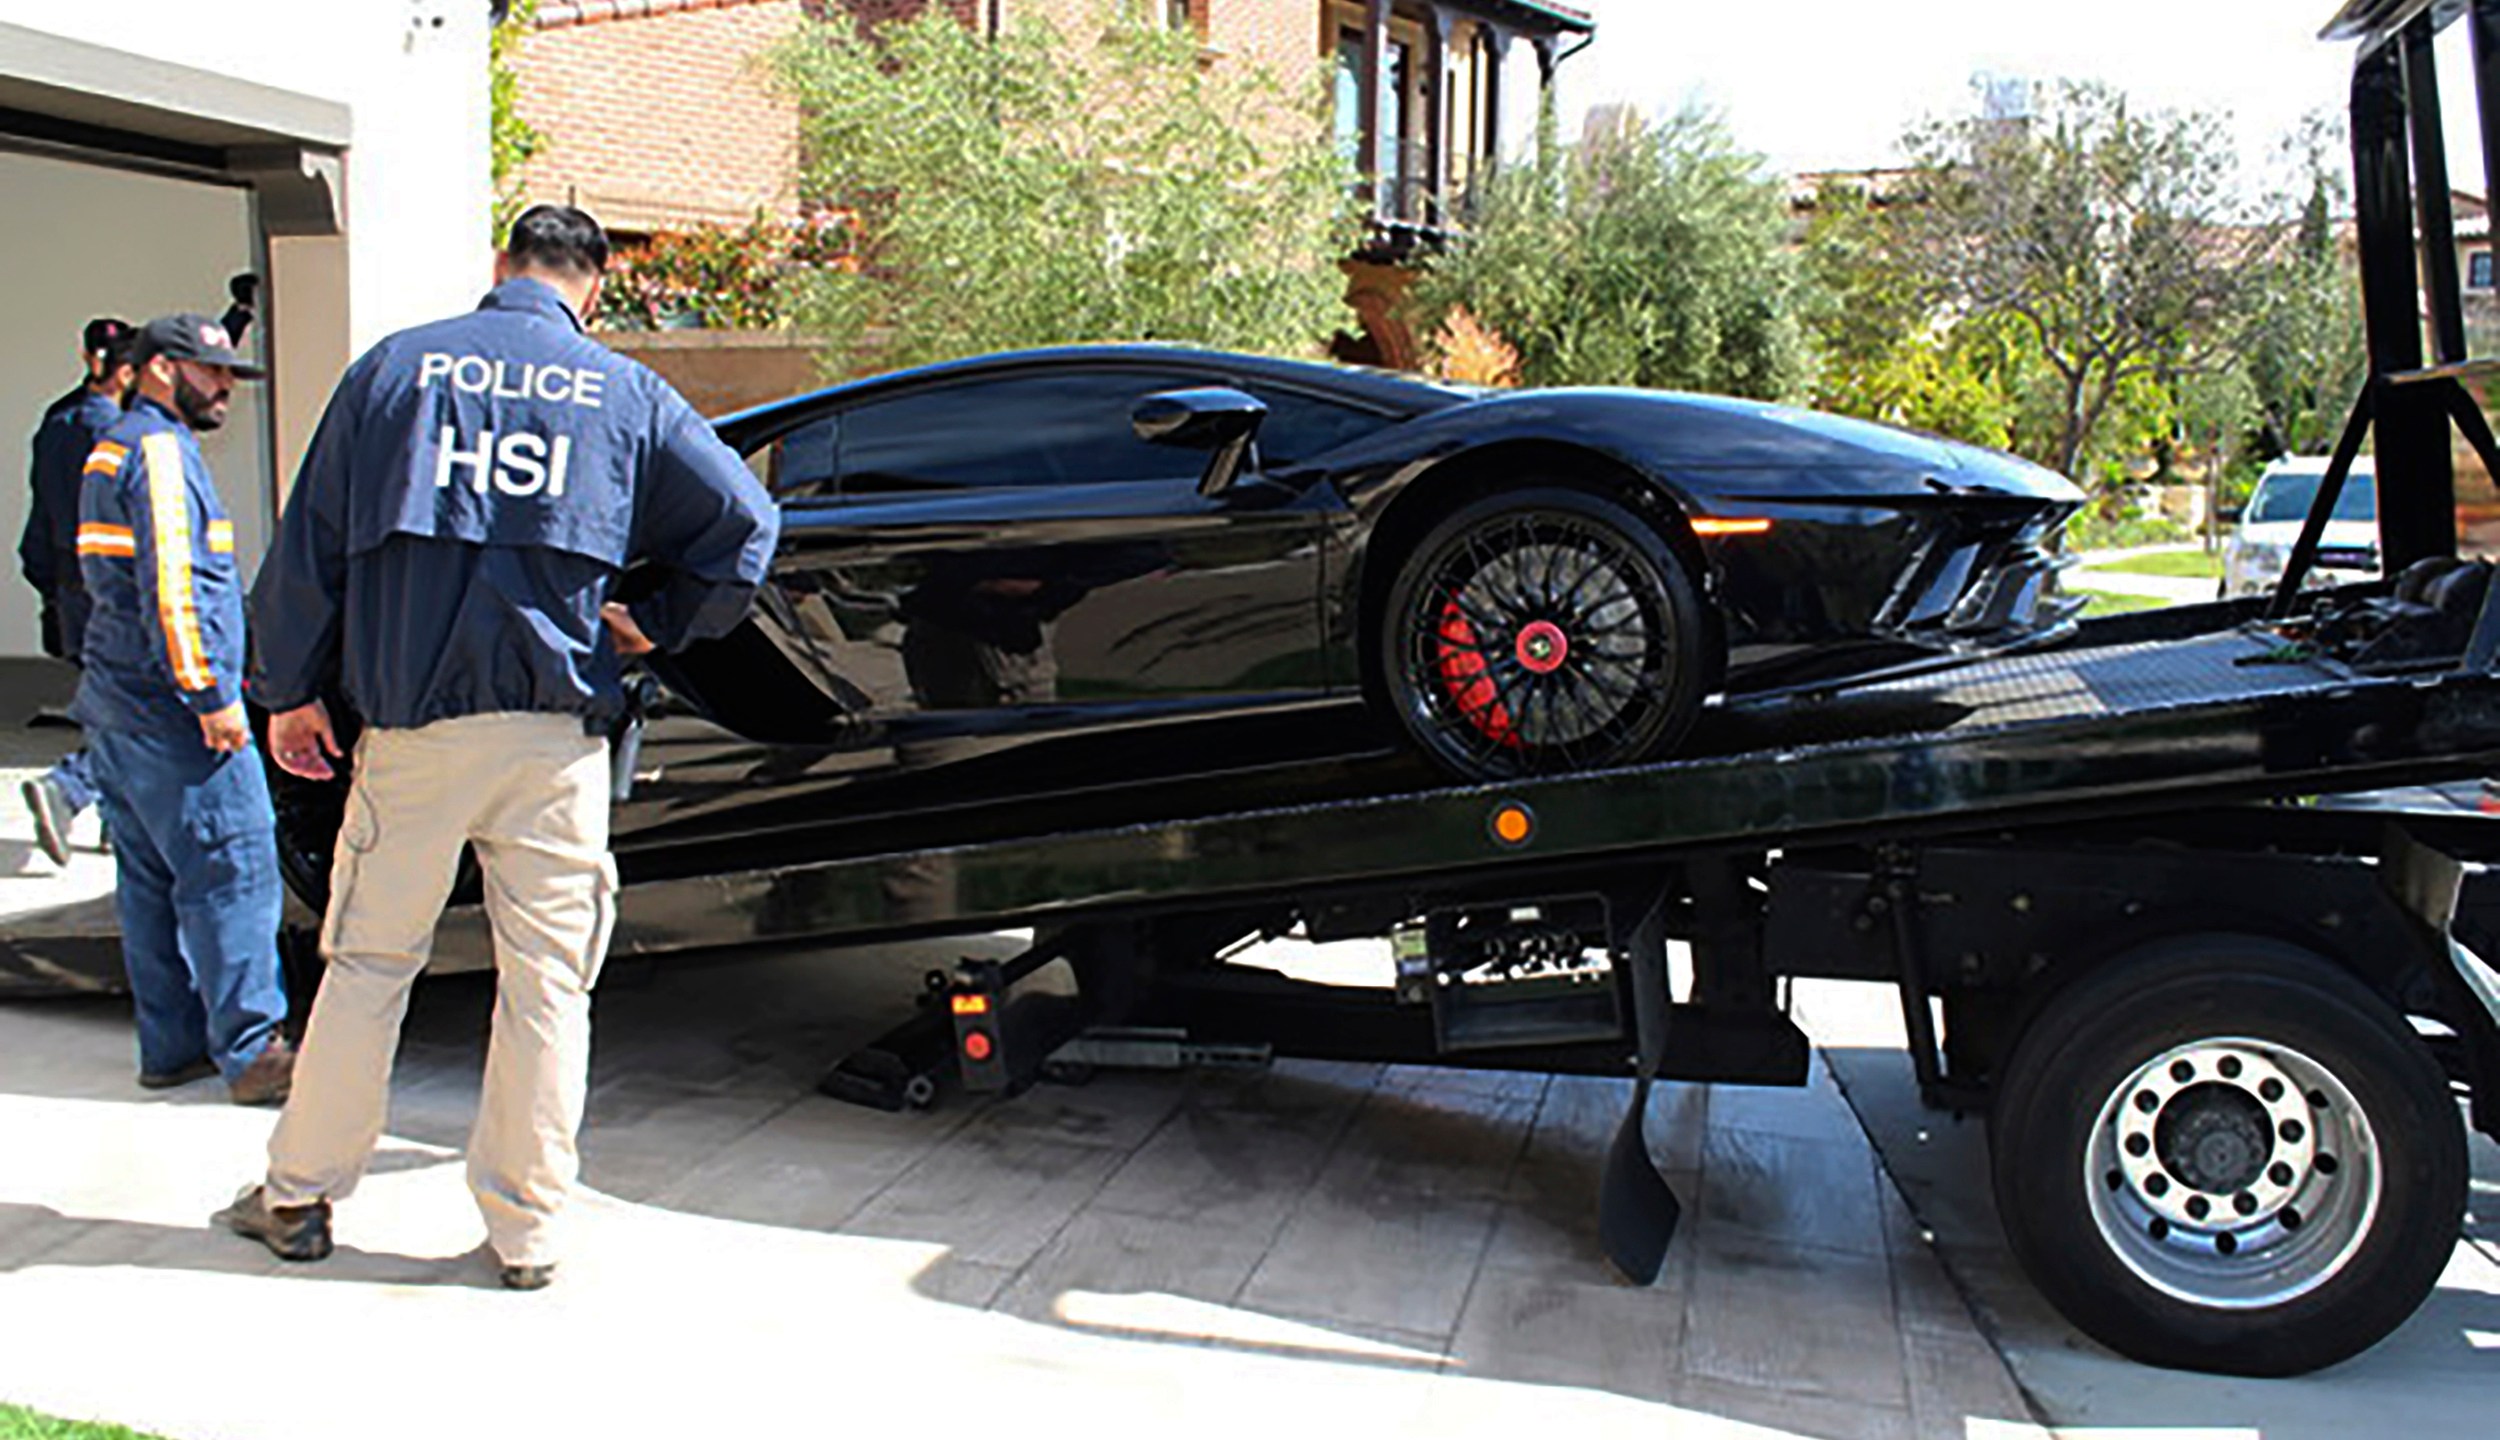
[(1322, 1249)]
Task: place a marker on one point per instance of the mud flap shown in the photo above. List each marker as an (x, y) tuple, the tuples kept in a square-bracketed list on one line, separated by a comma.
[(1636, 1209)]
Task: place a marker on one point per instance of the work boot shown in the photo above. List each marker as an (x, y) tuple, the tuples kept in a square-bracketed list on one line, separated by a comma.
[(268, 1078), (52, 816), (527, 1277), (182, 1075), (295, 1232)]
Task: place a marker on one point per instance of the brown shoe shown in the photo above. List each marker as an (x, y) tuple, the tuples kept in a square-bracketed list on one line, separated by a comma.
[(297, 1232), (526, 1277), (268, 1078)]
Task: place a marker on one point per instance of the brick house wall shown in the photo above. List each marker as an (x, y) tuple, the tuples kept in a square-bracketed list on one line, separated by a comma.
[(1280, 36), (656, 114)]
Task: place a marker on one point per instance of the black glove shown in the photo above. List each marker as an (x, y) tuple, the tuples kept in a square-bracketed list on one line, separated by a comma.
[(52, 631)]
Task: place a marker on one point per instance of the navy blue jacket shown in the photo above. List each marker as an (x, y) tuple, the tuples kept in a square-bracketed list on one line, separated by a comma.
[(475, 489), (165, 642), (47, 552)]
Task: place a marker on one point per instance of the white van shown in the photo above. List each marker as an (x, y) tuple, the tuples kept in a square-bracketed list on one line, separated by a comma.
[(2254, 554)]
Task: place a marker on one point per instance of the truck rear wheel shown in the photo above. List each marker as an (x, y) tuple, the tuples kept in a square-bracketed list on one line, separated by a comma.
[(2223, 1153)]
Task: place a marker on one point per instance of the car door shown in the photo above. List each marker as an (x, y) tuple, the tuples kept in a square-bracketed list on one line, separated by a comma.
[(1002, 551)]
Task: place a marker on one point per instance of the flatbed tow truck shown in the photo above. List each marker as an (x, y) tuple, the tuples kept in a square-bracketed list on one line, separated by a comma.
[(2223, 1035)]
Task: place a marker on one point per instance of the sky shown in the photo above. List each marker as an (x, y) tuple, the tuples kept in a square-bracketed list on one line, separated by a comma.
[(1832, 84)]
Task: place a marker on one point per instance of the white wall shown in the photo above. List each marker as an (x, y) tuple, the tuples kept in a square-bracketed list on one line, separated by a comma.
[(135, 246), (81, 240), (414, 74)]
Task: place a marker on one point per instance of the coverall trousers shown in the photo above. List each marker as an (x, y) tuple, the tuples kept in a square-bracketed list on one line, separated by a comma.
[(530, 794), (198, 894)]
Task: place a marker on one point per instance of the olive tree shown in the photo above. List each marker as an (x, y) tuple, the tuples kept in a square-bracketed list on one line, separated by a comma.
[(1656, 255), (2113, 236), (1030, 189)]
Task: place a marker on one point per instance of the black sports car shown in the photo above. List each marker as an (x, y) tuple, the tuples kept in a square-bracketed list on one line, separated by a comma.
[(1080, 569)]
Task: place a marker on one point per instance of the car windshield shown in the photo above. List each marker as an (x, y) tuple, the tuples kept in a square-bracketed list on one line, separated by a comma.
[(2288, 494)]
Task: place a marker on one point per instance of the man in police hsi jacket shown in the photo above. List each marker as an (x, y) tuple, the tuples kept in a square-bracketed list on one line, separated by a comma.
[(475, 490)]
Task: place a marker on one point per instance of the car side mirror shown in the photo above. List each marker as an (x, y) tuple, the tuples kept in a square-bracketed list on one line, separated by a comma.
[(1217, 419)]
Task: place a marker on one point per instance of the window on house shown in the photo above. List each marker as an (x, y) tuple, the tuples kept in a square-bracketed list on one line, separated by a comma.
[(2478, 270), (1350, 97), (1176, 15)]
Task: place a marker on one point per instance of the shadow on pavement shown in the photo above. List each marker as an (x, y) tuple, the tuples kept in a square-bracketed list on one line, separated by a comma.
[(1354, 1218)]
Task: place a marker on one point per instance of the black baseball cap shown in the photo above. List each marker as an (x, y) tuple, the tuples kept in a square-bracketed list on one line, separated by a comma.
[(103, 333), (195, 338)]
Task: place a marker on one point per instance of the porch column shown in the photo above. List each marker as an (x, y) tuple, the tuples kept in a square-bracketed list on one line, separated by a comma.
[(1548, 59), (1375, 68), (1436, 206), (1496, 42)]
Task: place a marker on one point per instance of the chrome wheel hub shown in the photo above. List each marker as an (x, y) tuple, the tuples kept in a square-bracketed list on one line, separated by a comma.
[(2233, 1173)]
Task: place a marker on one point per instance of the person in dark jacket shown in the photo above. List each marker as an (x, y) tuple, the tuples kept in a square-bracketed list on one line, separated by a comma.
[(161, 700), (446, 564), (48, 553)]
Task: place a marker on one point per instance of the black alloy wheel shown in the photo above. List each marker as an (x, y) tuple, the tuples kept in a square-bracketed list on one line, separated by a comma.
[(2222, 1152), (1541, 631)]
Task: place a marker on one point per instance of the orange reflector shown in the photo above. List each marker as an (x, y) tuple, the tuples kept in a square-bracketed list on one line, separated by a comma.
[(972, 1004), (1709, 527), (977, 1045), (1513, 823)]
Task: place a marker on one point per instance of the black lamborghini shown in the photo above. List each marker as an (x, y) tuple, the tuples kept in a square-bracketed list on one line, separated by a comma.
[(1072, 571)]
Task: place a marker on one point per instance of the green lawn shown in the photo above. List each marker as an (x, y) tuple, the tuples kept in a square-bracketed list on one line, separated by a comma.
[(2105, 603), (2185, 564), (18, 1423)]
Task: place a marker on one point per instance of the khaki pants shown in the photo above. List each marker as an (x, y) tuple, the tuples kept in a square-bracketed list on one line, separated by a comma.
[(530, 793)]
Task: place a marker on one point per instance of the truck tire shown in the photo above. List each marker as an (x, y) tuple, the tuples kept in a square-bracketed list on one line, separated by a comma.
[(2221, 1152)]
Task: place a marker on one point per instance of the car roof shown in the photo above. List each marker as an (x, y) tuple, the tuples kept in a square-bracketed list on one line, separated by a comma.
[(2312, 465), (1387, 390)]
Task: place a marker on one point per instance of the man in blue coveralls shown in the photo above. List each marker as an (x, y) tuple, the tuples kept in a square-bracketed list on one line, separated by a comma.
[(48, 553), (161, 700), (474, 493)]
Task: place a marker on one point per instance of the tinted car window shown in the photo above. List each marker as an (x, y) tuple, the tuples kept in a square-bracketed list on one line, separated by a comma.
[(801, 463), (1299, 425), (1064, 428)]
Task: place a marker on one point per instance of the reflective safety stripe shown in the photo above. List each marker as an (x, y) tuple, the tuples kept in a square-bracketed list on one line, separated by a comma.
[(169, 513), (106, 458), (220, 537), (96, 539)]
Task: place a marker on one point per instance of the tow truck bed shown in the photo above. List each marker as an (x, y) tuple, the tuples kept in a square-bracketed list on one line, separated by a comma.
[(2132, 723)]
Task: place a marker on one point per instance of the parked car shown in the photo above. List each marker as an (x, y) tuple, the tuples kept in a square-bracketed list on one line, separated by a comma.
[(2254, 553), (1048, 572)]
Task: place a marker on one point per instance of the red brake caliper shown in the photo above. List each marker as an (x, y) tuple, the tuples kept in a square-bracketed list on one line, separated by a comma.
[(1463, 675)]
